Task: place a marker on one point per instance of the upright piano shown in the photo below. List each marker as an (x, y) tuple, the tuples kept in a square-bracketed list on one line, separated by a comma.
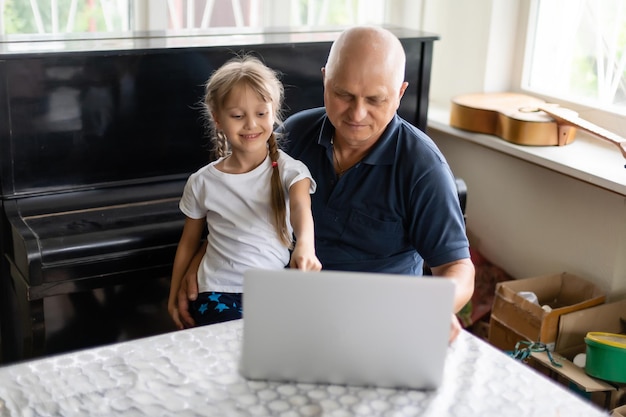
[(97, 138)]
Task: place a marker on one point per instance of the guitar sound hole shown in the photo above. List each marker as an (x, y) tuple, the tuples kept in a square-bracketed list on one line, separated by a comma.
[(528, 109)]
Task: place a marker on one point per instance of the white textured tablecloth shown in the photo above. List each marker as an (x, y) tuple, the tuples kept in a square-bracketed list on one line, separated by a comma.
[(194, 373)]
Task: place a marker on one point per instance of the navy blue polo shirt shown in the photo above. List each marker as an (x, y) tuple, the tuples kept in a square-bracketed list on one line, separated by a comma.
[(391, 211)]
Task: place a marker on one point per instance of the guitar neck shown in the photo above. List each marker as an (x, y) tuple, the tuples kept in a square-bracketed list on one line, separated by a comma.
[(566, 117)]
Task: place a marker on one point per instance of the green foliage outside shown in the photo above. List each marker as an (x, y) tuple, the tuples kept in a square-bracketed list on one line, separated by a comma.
[(338, 13), (20, 18), (598, 57)]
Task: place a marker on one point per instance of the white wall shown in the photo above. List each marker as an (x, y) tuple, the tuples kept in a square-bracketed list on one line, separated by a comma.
[(533, 221), (476, 51)]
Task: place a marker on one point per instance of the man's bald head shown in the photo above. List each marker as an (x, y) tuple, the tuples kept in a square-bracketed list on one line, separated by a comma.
[(371, 46)]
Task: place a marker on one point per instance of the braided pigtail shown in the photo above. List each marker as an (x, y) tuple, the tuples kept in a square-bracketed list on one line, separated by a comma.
[(279, 206), (220, 144)]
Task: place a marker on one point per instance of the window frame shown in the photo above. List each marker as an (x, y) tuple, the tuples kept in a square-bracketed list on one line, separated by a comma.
[(606, 119), (485, 53)]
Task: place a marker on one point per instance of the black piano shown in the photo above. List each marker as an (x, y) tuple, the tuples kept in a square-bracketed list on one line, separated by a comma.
[(97, 138)]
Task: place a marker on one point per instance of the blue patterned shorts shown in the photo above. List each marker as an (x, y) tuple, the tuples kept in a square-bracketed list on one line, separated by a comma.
[(216, 307)]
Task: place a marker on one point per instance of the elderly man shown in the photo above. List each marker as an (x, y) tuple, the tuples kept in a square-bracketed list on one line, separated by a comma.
[(386, 199)]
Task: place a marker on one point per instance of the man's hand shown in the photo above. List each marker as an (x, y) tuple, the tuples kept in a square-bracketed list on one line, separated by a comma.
[(455, 328), (187, 291)]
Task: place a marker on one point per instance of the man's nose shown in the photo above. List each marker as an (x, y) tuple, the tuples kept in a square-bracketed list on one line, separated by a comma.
[(359, 110)]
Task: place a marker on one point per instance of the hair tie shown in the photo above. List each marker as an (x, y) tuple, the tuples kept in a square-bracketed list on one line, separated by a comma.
[(274, 164)]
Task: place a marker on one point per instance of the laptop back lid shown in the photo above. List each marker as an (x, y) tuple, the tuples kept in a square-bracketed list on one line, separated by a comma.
[(349, 328)]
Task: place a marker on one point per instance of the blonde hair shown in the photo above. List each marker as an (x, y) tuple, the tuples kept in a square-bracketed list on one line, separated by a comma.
[(264, 81)]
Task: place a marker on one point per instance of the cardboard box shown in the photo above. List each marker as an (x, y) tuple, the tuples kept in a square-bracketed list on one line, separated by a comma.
[(573, 327), (571, 340), (514, 318), (601, 393), (619, 412)]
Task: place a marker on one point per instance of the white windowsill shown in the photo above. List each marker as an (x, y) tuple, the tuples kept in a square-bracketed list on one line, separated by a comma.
[(589, 159)]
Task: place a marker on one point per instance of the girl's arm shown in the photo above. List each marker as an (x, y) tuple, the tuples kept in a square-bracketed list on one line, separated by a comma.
[(301, 218), (187, 248)]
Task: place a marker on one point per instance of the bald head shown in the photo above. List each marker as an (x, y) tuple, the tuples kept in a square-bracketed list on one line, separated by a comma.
[(370, 46)]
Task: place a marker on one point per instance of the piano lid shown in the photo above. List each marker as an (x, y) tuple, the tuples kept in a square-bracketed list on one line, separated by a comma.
[(84, 117), (16, 44)]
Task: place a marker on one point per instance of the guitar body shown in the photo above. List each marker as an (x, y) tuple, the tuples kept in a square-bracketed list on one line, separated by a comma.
[(516, 118)]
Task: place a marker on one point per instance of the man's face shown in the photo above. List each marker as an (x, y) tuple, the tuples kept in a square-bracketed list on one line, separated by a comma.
[(360, 101)]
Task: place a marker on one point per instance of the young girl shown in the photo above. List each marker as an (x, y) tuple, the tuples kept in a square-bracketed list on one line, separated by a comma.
[(244, 197)]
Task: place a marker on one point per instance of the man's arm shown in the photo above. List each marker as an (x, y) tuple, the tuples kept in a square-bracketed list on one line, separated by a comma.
[(186, 250), (188, 288), (461, 272)]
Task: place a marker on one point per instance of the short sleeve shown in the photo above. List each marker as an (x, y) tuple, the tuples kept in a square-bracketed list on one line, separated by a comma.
[(190, 201), (293, 171)]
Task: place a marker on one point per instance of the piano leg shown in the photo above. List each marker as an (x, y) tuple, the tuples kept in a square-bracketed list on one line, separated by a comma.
[(29, 323), (23, 324), (35, 340)]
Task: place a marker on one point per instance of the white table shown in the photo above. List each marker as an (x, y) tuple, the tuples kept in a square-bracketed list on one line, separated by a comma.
[(194, 373)]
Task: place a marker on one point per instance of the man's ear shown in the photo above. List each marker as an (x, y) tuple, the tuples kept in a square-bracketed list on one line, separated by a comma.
[(323, 73), (403, 89)]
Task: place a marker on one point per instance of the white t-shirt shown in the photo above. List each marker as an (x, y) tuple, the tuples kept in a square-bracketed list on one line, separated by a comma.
[(239, 219)]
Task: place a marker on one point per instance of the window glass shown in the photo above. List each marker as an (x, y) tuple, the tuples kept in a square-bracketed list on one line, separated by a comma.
[(266, 13), (44, 17), (577, 52)]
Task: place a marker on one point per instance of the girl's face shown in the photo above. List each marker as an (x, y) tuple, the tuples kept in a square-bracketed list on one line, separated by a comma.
[(246, 120)]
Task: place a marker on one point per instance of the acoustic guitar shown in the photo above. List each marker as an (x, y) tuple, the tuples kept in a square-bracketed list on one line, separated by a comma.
[(524, 120)]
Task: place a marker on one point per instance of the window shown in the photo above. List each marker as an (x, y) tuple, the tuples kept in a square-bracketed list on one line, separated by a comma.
[(43, 17), (577, 52), (191, 14), (48, 17)]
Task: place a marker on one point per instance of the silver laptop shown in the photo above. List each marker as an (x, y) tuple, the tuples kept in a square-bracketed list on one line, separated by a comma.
[(349, 328)]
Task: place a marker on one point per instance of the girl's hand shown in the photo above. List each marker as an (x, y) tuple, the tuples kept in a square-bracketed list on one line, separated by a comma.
[(304, 259)]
